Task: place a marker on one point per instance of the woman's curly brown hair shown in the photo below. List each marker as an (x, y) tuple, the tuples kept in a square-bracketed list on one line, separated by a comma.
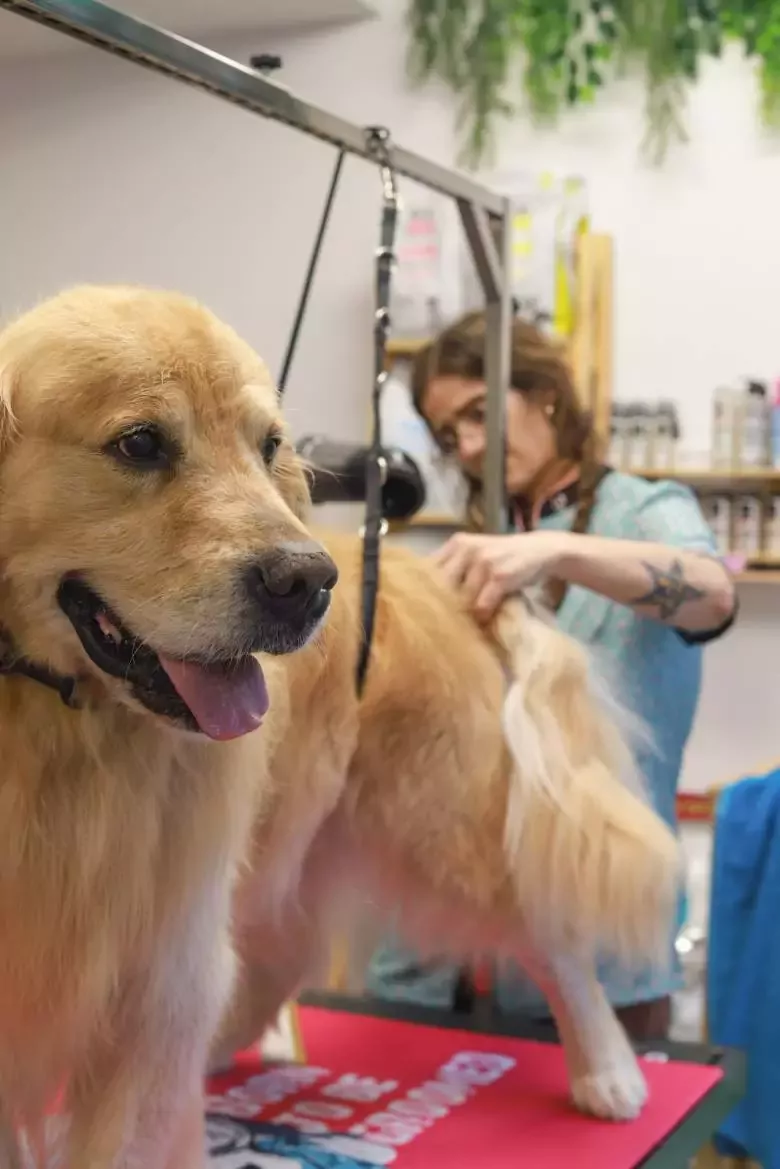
[(539, 371)]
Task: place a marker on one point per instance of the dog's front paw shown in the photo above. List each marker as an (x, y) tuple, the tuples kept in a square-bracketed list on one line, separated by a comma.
[(616, 1092)]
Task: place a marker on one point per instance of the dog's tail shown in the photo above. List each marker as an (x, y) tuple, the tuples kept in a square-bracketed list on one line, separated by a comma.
[(596, 868)]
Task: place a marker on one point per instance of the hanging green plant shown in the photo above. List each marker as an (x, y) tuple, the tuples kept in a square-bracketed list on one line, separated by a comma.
[(560, 53)]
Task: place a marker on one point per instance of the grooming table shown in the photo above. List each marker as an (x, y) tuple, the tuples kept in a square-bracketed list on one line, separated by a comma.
[(418, 1089)]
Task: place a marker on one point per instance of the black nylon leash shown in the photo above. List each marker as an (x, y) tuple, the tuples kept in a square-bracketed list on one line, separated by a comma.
[(378, 141), (379, 146)]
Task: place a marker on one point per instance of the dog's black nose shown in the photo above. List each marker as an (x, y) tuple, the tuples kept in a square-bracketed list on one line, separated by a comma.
[(294, 581)]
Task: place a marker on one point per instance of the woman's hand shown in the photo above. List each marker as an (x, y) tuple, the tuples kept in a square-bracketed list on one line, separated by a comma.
[(687, 589), (487, 569)]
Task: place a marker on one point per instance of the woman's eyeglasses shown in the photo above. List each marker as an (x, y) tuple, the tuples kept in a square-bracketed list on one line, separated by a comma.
[(470, 419)]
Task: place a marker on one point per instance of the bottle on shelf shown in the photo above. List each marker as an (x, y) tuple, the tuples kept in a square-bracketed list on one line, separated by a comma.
[(771, 545), (775, 426), (638, 433), (662, 453), (629, 427), (653, 424), (754, 431), (747, 526), (724, 428), (717, 509), (644, 435), (676, 433), (616, 455)]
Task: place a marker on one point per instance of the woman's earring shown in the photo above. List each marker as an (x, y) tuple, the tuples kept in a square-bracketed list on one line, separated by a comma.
[(549, 409)]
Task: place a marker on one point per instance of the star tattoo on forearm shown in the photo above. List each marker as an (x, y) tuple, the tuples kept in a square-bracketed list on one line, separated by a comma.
[(670, 589)]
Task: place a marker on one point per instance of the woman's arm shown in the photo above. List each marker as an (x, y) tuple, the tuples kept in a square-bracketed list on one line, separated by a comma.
[(688, 590)]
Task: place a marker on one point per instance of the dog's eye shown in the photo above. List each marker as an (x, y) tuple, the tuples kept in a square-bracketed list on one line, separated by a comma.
[(143, 447), (270, 446)]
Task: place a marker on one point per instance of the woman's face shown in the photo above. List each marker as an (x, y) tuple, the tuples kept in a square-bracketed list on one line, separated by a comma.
[(454, 408)]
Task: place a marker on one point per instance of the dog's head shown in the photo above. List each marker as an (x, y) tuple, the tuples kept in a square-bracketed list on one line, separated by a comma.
[(151, 506)]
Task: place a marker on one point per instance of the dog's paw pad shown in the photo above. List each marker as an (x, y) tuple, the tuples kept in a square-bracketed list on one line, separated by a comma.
[(616, 1093)]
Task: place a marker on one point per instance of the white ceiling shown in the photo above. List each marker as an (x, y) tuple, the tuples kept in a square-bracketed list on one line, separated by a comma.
[(201, 20)]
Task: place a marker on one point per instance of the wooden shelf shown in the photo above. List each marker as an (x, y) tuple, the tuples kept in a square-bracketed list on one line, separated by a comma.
[(405, 348), (713, 476), (428, 521), (759, 576), (763, 560)]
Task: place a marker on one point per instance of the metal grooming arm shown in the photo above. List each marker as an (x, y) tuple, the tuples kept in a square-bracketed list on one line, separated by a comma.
[(486, 215)]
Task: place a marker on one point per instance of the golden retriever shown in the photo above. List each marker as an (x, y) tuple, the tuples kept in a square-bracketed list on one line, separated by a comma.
[(153, 544), (150, 543)]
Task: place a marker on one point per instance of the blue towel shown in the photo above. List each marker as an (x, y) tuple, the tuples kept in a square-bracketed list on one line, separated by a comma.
[(743, 981)]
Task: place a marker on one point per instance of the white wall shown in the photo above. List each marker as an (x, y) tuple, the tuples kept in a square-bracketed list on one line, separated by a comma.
[(111, 173)]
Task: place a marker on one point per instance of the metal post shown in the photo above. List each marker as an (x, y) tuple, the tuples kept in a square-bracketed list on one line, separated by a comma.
[(498, 340), (490, 241), (481, 240)]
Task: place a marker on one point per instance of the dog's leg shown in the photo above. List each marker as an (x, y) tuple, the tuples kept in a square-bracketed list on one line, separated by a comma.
[(605, 1076), (141, 1106), (138, 1123), (262, 988), (275, 954), (137, 1102), (10, 1154), (279, 945), (188, 1147)]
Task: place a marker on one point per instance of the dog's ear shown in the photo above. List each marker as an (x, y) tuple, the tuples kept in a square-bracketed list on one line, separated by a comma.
[(292, 476)]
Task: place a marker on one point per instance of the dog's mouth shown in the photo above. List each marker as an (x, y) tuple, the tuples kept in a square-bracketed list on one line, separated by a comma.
[(221, 699)]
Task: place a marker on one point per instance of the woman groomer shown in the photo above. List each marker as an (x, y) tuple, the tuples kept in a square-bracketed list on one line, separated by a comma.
[(630, 567)]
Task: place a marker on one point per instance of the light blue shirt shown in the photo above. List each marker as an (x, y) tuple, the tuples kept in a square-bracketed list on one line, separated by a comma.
[(656, 673)]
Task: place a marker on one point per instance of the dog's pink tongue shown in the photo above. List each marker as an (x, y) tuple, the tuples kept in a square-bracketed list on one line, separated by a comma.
[(225, 702)]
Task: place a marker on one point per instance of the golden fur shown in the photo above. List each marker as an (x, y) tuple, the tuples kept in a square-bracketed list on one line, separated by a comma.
[(528, 844), (121, 835)]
